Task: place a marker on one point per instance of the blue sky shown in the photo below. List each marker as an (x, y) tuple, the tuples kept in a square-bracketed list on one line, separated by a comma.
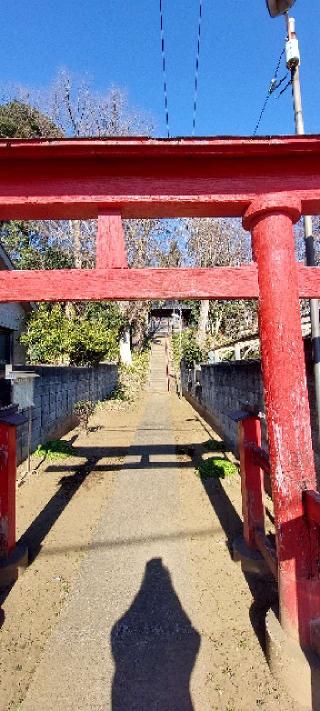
[(117, 42)]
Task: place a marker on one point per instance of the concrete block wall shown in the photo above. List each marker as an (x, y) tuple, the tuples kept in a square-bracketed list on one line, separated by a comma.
[(222, 388), (56, 390)]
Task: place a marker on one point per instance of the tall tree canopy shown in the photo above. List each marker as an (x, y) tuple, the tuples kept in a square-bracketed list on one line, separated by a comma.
[(20, 120)]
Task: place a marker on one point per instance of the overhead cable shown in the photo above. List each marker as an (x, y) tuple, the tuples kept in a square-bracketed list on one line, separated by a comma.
[(164, 70), (273, 86), (196, 74)]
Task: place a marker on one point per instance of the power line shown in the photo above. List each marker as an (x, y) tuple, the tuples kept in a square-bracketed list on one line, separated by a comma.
[(273, 86), (164, 71), (196, 74)]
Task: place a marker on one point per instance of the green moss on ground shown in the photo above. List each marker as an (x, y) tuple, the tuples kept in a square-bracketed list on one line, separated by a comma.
[(216, 468)]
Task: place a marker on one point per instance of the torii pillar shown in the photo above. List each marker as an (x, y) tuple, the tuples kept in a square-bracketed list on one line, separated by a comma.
[(288, 418)]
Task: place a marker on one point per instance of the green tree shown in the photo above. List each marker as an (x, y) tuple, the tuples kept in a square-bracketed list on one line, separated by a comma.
[(30, 249), (89, 338), (20, 120), (25, 242)]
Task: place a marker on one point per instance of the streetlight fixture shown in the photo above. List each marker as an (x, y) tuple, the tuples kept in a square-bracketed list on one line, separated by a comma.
[(279, 7)]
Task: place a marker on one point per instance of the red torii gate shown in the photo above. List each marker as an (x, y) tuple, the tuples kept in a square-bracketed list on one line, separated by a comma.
[(270, 183)]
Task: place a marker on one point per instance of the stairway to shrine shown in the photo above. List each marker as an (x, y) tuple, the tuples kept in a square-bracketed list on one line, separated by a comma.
[(158, 379)]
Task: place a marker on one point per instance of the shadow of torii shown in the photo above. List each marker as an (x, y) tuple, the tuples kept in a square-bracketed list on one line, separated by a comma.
[(154, 646)]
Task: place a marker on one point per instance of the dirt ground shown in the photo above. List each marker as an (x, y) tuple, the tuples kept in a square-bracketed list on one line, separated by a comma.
[(58, 508), (232, 607)]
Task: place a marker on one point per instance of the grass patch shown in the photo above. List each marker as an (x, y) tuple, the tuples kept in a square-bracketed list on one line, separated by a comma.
[(132, 378), (215, 468), (56, 449), (83, 410)]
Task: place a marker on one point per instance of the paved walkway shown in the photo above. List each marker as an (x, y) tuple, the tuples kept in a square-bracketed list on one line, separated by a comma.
[(125, 640), (159, 617)]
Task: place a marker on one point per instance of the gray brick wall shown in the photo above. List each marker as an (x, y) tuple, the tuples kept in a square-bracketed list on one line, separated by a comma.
[(56, 390), (222, 388)]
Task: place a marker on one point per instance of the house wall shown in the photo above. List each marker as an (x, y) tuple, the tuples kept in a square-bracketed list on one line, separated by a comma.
[(12, 317), (55, 392)]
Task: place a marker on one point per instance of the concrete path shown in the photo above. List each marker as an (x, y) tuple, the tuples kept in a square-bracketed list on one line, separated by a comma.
[(125, 639), (160, 618)]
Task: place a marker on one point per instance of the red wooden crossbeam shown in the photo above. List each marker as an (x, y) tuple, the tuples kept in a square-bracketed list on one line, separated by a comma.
[(128, 284), (259, 456), (135, 284), (268, 551), (309, 282), (141, 177)]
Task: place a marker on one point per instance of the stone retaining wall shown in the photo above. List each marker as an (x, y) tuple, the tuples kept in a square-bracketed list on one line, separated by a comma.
[(56, 390), (222, 389), (219, 389)]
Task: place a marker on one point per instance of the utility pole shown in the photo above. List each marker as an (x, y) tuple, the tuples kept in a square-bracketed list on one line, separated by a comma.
[(293, 61)]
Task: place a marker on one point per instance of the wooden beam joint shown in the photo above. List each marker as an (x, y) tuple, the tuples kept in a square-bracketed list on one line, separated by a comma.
[(110, 242)]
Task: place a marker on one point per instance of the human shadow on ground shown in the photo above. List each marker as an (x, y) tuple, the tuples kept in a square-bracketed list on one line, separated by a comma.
[(154, 646)]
